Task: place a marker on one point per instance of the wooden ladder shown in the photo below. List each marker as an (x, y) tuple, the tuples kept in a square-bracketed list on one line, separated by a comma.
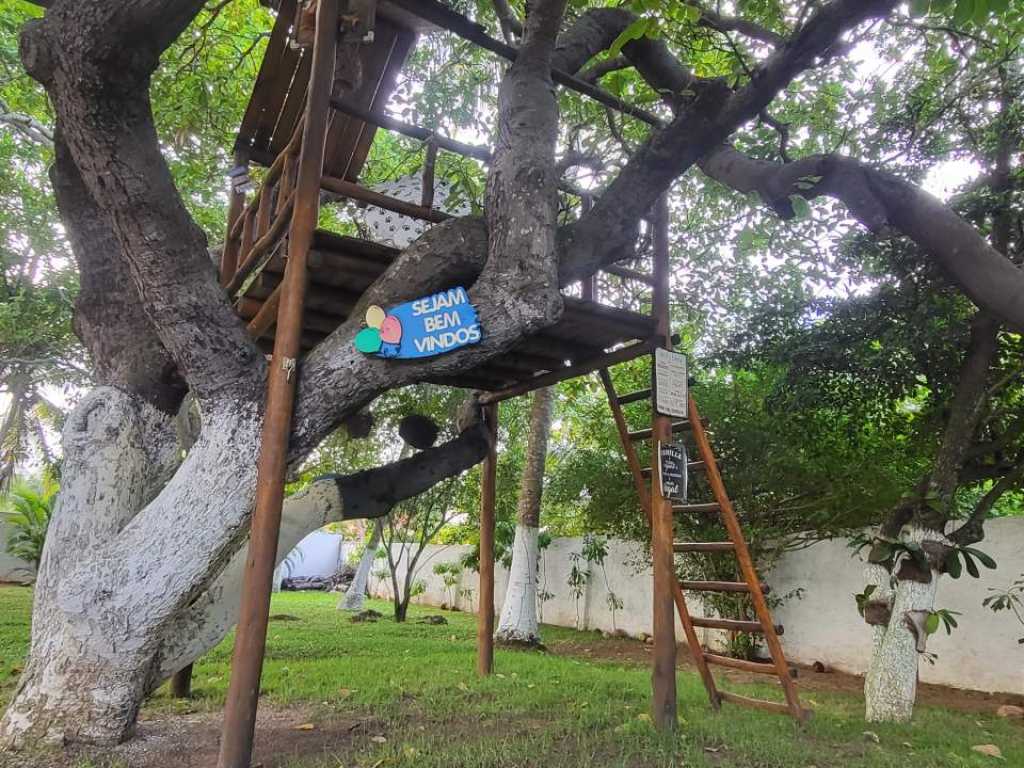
[(736, 545)]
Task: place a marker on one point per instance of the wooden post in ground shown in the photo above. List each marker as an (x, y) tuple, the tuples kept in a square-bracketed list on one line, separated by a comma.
[(663, 704), (485, 617), (251, 635), (181, 683)]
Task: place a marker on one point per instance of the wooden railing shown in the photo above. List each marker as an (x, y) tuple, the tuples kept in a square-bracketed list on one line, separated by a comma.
[(264, 219)]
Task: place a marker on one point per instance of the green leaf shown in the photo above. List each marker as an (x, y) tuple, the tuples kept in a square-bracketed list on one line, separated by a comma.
[(931, 624), (972, 568), (964, 11), (634, 31), (953, 567), (985, 559), (801, 208)]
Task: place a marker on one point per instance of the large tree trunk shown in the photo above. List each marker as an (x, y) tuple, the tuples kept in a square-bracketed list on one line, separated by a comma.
[(103, 640), (140, 572), (356, 593), (890, 685), (518, 622)]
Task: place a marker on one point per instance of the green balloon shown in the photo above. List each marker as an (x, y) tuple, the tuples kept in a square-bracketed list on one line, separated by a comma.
[(368, 340)]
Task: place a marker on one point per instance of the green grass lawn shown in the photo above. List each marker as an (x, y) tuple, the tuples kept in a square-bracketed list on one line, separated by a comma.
[(417, 682)]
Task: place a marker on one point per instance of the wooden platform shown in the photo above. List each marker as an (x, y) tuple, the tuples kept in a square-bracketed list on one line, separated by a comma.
[(342, 268)]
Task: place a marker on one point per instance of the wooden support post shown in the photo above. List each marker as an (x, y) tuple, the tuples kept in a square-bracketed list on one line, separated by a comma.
[(251, 635), (248, 236), (229, 253), (485, 617), (264, 211), (181, 683), (663, 705)]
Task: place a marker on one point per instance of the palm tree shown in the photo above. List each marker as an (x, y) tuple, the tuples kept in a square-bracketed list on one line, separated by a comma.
[(27, 508)]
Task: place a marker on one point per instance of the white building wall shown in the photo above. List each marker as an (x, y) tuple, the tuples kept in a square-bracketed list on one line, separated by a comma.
[(983, 654)]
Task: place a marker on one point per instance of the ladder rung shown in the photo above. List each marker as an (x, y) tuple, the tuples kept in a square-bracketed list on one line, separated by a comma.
[(696, 508), (703, 546), (679, 426), (633, 397), (771, 706), (720, 586), (733, 625), (690, 465), (758, 667)]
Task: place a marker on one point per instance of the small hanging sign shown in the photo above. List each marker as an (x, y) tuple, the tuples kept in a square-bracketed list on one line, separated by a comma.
[(670, 392), (442, 322), (672, 470)]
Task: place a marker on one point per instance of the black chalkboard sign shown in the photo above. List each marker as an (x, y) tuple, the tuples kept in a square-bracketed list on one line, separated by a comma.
[(672, 469)]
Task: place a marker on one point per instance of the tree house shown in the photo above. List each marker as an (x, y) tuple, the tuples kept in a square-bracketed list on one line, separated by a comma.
[(317, 104)]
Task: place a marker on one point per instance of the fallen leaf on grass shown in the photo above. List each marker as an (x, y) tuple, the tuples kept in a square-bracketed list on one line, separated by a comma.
[(462, 687), (988, 749), (305, 727), (346, 692), (378, 739), (872, 736)]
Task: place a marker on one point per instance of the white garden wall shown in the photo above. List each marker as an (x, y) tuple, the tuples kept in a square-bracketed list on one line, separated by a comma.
[(982, 654)]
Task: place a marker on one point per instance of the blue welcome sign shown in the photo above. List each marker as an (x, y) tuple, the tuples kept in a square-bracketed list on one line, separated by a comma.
[(430, 326)]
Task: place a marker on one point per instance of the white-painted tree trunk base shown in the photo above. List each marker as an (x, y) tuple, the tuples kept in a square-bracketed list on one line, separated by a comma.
[(355, 595), (518, 622), (890, 685)]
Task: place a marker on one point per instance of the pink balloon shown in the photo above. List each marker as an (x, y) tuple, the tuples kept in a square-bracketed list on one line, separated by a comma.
[(391, 330)]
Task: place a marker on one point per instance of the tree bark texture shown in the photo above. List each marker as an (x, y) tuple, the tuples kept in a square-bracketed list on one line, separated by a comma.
[(518, 623), (890, 685), (146, 547)]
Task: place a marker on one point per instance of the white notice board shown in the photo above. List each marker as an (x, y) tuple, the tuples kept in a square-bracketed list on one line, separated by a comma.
[(670, 393)]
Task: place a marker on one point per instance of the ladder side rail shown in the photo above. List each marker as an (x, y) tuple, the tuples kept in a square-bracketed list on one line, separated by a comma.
[(645, 502), (745, 561)]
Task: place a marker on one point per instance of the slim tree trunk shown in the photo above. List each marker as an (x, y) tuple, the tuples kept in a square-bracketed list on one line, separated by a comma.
[(890, 685), (518, 622), (356, 592)]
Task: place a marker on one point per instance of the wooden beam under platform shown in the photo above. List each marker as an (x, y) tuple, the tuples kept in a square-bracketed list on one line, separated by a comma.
[(605, 359)]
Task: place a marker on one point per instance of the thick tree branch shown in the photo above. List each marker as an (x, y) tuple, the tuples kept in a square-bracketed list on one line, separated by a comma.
[(878, 200), (99, 89), (332, 498), (109, 319), (973, 530), (703, 119), (511, 26)]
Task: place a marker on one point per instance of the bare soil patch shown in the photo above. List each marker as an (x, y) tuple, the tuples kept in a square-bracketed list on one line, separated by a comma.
[(168, 740), (633, 651)]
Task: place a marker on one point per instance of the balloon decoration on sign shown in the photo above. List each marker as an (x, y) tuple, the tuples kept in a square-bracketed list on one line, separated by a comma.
[(435, 324), (382, 334)]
